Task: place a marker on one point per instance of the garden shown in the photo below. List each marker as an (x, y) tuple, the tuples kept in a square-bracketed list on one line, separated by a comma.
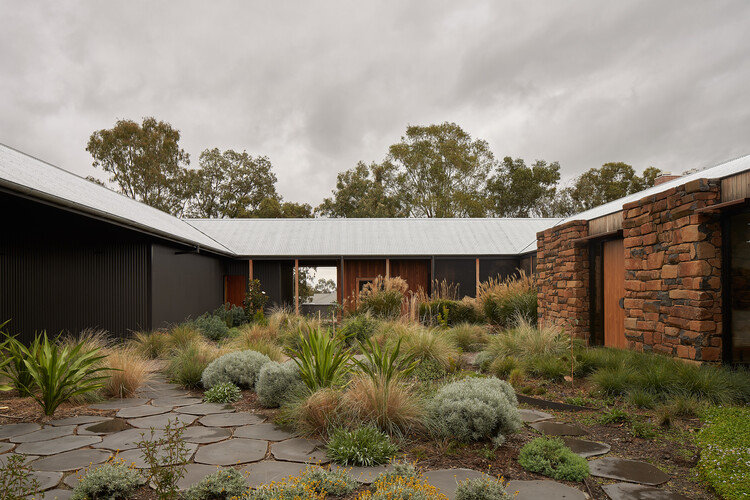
[(404, 387)]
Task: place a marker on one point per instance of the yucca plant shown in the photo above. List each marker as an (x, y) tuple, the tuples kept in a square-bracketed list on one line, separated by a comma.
[(60, 372), (323, 359), (14, 367)]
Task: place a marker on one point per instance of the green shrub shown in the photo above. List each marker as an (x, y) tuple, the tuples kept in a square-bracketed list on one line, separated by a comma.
[(111, 480), (725, 451), (16, 478), (486, 488), (56, 373), (240, 368), (323, 359), (277, 382), (550, 457), (502, 367), (359, 327), (429, 369), (225, 392), (212, 327), (448, 313), (332, 482), (221, 485), (506, 311), (469, 337), (232, 315), (484, 360), (255, 301), (187, 365), (365, 446), (475, 409)]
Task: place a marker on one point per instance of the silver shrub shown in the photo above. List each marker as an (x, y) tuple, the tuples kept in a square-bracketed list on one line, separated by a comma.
[(277, 382), (475, 409), (240, 368)]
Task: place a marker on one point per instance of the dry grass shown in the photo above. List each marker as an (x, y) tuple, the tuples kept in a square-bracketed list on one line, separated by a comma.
[(392, 406), (150, 345), (424, 343), (252, 333), (270, 349), (469, 337), (130, 371), (499, 289), (90, 339), (182, 336), (525, 341), (318, 413)]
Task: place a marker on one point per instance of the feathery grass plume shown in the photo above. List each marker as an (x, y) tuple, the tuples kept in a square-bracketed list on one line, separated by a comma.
[(383, 297), (129, 370), (390, 405), (503, 300)]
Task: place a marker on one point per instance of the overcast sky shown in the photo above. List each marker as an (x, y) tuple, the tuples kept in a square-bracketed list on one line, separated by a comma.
[(318, 86)]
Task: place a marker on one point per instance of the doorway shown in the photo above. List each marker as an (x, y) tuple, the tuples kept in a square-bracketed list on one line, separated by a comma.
[(613, 264), (737, 275)]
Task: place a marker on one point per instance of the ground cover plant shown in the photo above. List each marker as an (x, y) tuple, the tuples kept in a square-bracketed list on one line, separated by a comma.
[(487, 488), (240, 368), (224, 392), (365, 446), (550, 456), (115, 479), (725, 451), (222, 485)]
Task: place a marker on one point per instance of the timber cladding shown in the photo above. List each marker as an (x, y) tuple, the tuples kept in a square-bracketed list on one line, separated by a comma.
[(416, 272), (673, 272)]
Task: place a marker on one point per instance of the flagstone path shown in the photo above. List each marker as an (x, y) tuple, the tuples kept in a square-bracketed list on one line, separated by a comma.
[(218, 436)]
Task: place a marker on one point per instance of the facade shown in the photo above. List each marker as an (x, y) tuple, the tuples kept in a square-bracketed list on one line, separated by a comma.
[(664, 270)]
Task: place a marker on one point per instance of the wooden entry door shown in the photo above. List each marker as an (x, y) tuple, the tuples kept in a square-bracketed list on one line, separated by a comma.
[(235, 288), (613, 259)]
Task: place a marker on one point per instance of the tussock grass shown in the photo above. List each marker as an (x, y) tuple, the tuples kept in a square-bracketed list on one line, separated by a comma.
[(130, 370), (151, 345), (526, 340), (469, 337), (316, 414), (425, 344), (390, 405)]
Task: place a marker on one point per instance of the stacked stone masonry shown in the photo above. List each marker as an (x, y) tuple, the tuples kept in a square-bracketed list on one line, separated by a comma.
[(563, 278), (673, 272)]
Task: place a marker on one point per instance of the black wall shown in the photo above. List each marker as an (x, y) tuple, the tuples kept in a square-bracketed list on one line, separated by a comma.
[(184, 284), (464, 271), (63, 272), (276, 279)]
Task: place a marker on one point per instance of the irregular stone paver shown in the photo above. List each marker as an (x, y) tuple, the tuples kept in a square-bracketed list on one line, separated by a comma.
[(4, 458), (161, 393), (136, 458), (55, 446), (586, 448), (268, 471), (364, 475), (194, 474), (44, 434), (13, 430), (629, 491), (116, 404), (557, 428), (447, 479), (47, 480), (108, 426), (204, 409), (230, 419), (173, 401), (204, 435), (300, 450), (56, 494), (71, 460), (161, 421), (129, 439), (80, 420), (143, 411), (231, 452), (631, 471), (267, 431), (530, 416), (72, 480), (6, 447), (546, 489)]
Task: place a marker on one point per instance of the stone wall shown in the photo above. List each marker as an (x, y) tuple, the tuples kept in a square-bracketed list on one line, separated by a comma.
[(563, 278), (673, 272)]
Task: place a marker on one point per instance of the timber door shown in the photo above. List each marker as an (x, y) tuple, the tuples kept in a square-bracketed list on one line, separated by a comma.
[(235, 288), (613, 260)]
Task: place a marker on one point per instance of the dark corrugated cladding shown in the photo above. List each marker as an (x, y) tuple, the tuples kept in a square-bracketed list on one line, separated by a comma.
[(184, 284), (277, 280), (60, 271)]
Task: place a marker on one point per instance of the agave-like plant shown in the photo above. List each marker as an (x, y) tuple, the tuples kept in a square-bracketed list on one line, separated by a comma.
[(323, 359), (55, 373)]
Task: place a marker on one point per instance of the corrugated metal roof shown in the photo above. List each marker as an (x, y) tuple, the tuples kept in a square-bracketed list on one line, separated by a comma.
[(720, 171), (372, 237), (29, 176)]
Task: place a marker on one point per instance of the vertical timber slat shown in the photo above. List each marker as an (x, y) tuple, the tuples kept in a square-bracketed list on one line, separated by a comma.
[(296, 286), (477, 295)]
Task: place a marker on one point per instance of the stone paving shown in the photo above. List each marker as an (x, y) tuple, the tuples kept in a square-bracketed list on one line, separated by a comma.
[(218, 436)]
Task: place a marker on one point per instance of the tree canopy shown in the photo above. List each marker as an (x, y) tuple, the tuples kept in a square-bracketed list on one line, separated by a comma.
[(612, 181), (364, 192), (517, 190)]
